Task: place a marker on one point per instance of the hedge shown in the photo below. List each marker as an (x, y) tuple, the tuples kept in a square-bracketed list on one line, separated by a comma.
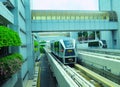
[(9, 37)]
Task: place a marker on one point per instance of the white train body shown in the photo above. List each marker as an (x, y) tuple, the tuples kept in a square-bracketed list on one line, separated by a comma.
[(65, 50), (97, 44)]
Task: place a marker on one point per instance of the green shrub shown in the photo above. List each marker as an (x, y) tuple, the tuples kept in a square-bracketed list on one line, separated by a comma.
[(42, 45), (9, 37), (9, 65), (42, 49), (36, 49), (36, 44)]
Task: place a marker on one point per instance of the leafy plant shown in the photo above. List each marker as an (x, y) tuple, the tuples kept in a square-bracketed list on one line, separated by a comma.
[(42, 50), (9, 37), (9, 65), (36, 43), (42, 45)]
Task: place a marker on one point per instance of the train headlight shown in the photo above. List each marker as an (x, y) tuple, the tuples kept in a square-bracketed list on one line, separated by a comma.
[(70, 60)]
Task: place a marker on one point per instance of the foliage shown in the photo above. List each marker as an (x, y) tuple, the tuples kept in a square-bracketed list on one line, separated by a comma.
[(42, 45), (36, 49), (85, 34), (98, 34), (36, 43), (82, 35), (79, 34), (9, 65), (9, 37), (92, 36), (41, 49), (43, 42)]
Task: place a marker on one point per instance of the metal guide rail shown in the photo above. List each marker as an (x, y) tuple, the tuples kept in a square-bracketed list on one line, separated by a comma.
[(79, 80), (103, 51), (102, 64), (65, 74), (102, 55), (105, 82)]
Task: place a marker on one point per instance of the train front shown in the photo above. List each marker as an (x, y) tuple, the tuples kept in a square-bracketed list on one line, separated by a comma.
[(69, 51)]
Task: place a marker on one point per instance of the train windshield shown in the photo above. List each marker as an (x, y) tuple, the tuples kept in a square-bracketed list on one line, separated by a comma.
[(93, 44), (68, 43)]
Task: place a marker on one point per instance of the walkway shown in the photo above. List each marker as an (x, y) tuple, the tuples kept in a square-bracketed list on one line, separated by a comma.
[(46, 79)]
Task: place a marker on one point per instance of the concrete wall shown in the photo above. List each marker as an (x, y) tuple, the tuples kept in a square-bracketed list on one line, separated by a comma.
[(107, 35), (18, 18), (74, 35), (5, 15), (19, 26), (71, 25), (115, 7), (48, 38), (105, 5), (112, 5)]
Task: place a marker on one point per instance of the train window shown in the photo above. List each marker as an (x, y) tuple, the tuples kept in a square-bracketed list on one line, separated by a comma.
[(93, 44), (48, 17), (58, 17), (61, 50), (68, 17), (101, 44), (68, 43)]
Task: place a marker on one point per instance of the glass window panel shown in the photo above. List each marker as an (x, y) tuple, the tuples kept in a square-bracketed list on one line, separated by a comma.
[(53, 17), (48, 17), (58, 17), (77, 18)]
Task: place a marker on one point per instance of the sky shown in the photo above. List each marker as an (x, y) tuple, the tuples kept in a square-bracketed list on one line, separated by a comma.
[(64, 4)]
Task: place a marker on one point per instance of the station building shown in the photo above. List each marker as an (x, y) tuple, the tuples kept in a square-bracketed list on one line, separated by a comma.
[(17, 15)]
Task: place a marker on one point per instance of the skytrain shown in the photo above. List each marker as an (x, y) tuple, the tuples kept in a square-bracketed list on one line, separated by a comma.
[(64, 50), (97, 44)]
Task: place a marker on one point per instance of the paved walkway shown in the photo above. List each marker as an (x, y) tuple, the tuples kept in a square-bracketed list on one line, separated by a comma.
[(46, 79), (33, 82)]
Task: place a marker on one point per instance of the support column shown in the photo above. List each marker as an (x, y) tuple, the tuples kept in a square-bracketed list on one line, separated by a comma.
[(107, 35), (74, 35), (31, 60)]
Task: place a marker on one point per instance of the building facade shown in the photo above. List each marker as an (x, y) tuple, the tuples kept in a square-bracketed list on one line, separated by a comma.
[(113, 37), (16, 14)]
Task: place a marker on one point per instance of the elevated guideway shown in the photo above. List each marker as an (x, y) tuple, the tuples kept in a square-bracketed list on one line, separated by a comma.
[(62, 77), (72, 77), (69, 20), (115, 52), (66, 76), (104, 64)]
